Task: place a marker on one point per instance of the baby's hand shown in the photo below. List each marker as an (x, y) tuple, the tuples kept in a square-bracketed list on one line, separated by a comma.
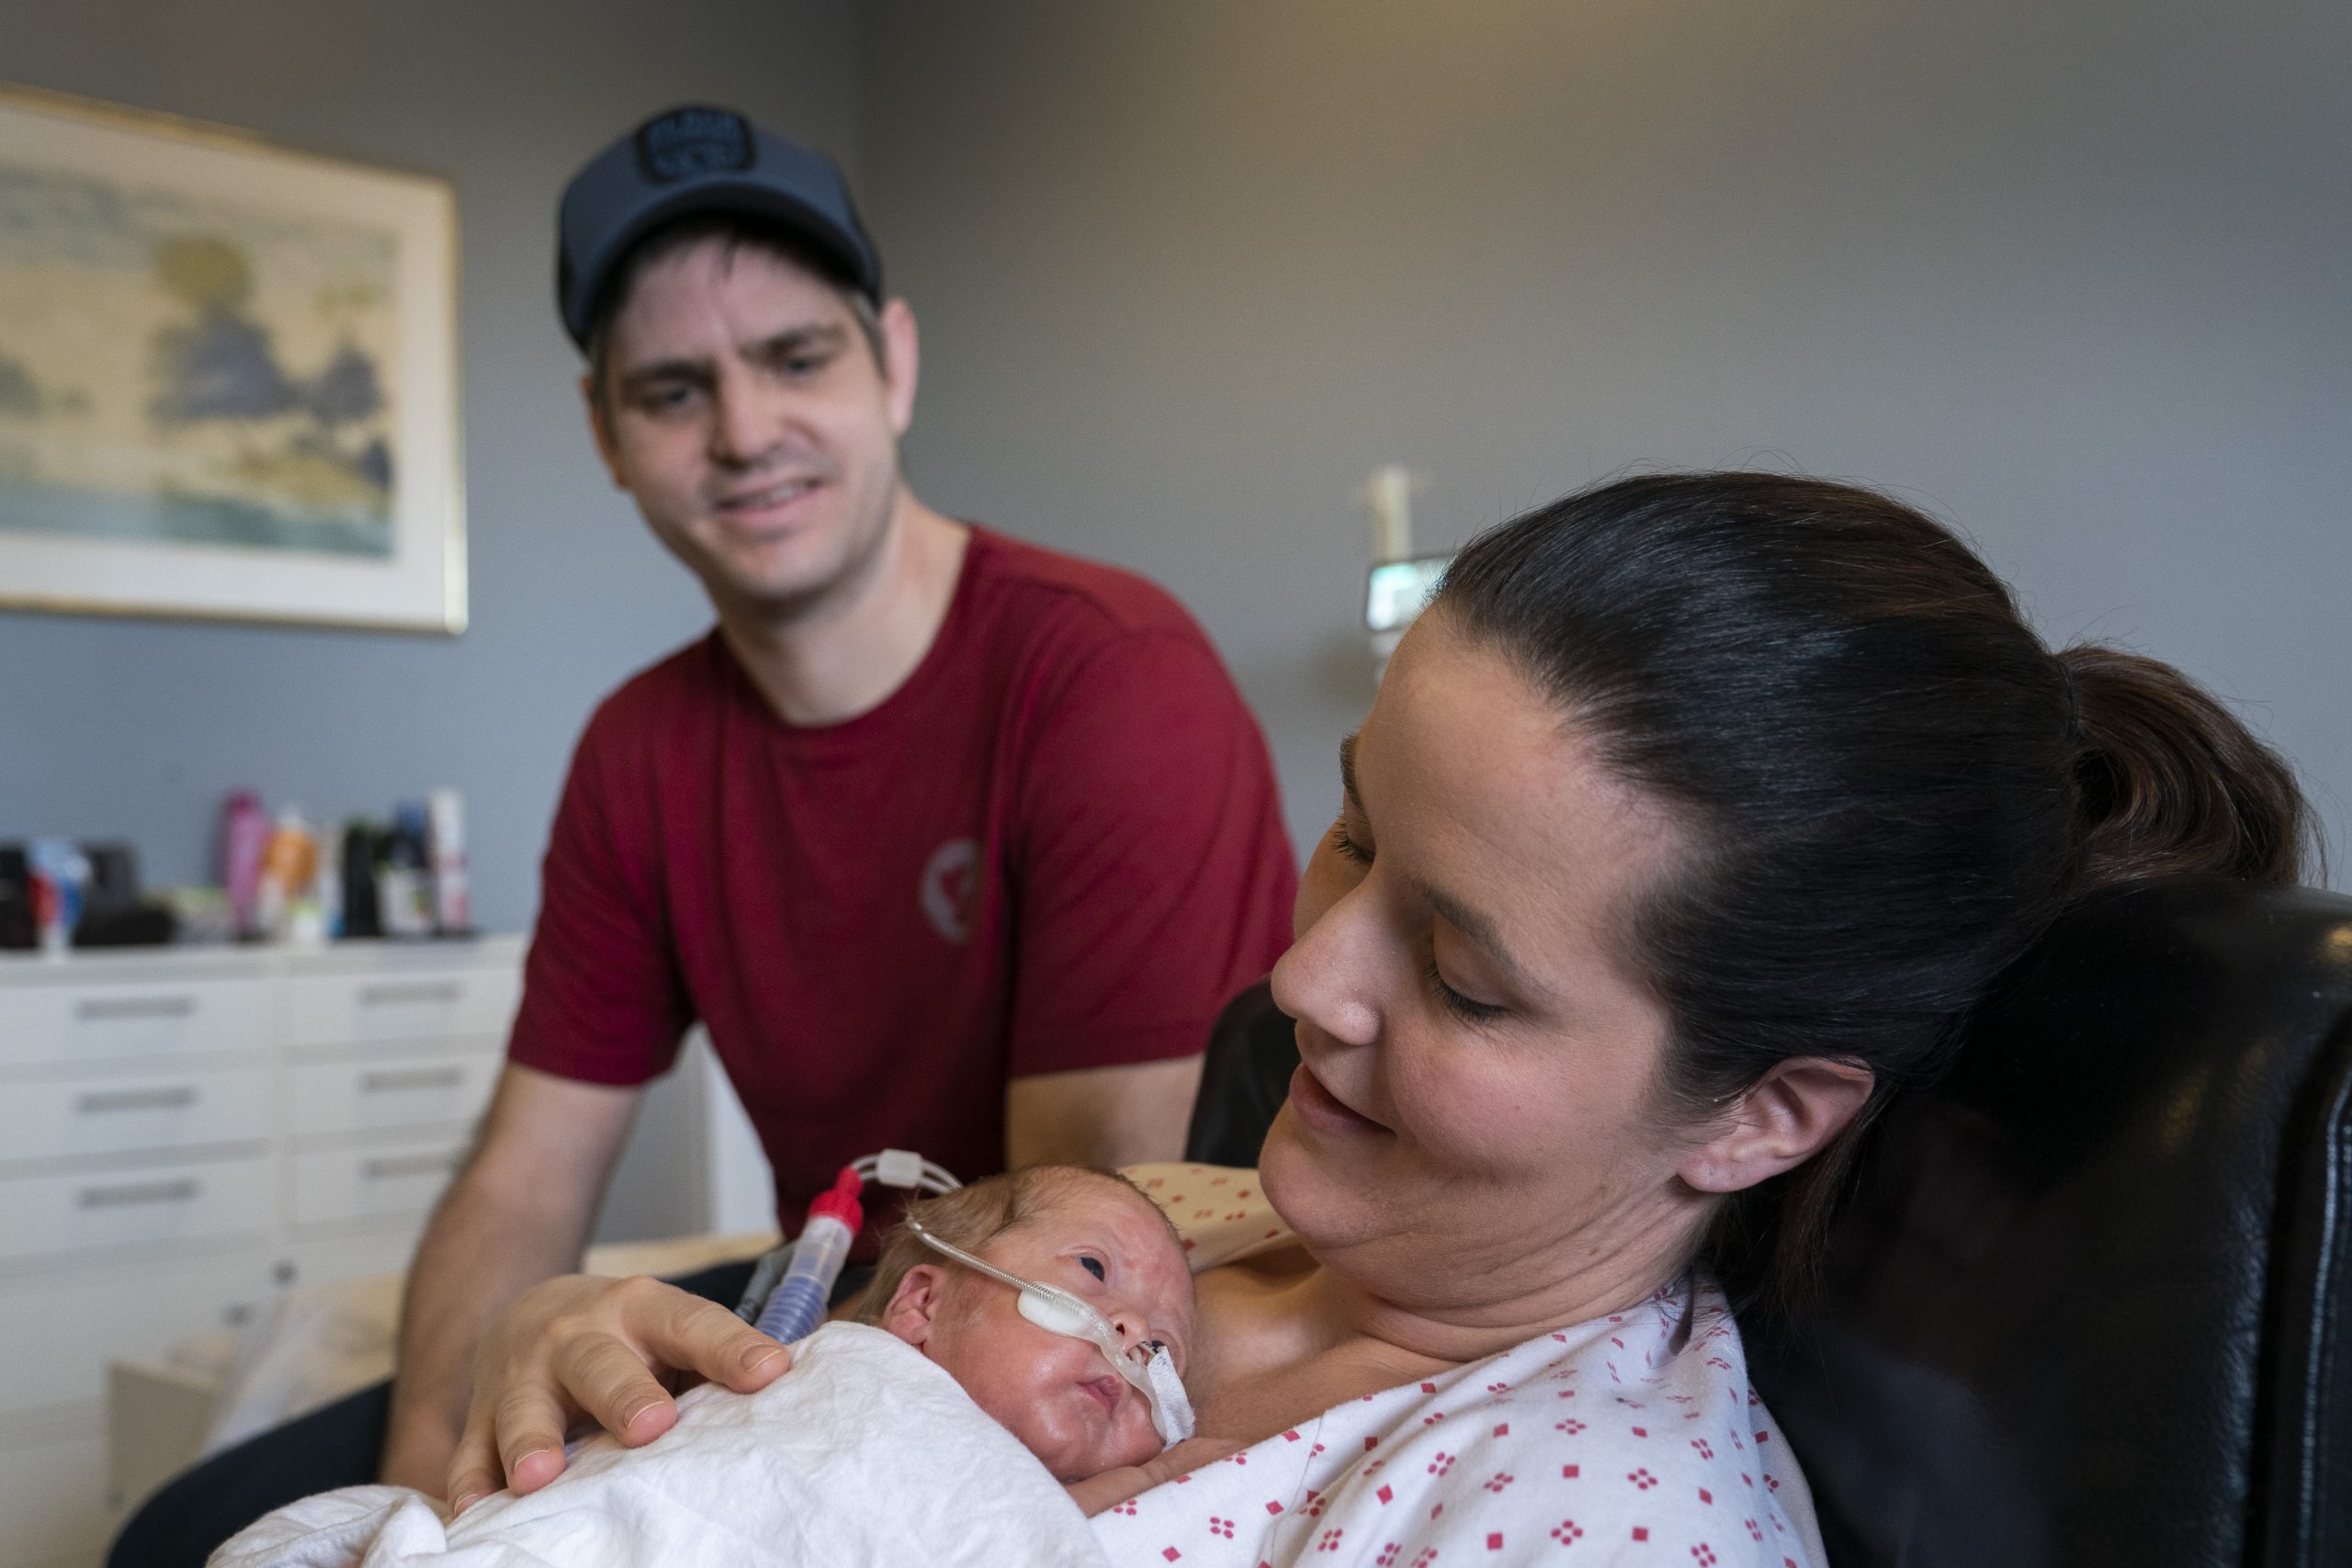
[(1185, 1458), (1097, 1493)]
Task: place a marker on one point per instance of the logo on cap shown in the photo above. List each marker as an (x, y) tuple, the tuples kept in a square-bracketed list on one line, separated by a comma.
[(687, 142)]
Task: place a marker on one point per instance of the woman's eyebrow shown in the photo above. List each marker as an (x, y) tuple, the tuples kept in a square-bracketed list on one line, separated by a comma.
[(1482, 930), (1479, 928)]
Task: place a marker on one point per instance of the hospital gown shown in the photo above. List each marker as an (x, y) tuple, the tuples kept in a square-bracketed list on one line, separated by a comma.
[(1633, 1438)]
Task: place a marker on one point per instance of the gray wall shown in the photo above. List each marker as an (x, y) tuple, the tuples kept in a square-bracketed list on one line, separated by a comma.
[(2074, 276), (2071, 276), (136, 729)]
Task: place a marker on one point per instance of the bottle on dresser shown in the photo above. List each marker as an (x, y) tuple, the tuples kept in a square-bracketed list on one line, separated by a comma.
[(404, 882)]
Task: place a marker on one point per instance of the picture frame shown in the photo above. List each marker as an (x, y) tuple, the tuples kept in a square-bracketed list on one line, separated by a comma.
[(229, 377)]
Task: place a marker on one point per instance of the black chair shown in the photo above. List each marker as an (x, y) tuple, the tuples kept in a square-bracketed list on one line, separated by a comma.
[(2088, 1303)]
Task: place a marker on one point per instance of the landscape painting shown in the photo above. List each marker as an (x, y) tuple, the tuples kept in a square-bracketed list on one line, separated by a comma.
[(226, 376)]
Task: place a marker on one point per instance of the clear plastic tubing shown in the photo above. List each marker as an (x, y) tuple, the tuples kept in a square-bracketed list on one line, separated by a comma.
[(798, 1303)]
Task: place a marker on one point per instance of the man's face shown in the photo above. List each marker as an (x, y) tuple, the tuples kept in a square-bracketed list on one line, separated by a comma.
[(743, 410)]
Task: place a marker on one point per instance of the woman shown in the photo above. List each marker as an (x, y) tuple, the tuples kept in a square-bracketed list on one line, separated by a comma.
[(1691, 825)]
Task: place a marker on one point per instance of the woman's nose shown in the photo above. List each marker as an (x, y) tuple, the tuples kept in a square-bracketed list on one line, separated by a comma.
[(1323, 980)]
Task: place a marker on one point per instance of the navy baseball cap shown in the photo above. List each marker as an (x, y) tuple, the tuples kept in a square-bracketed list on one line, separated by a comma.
[(697, 160)]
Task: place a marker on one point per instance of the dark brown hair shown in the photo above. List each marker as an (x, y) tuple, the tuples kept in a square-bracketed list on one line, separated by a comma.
[(1891, 786)]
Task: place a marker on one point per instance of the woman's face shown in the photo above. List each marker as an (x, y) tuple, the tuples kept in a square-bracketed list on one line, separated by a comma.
[(1475, 1127)]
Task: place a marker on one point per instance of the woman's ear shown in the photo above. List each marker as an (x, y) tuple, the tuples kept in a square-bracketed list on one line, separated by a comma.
[(1785, 1119), (915, 1304)]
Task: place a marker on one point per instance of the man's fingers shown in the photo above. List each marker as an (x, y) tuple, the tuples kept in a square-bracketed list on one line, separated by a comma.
[(611, 1382), (535, 1469), (689, 1333), (473, 1469), (513, 1437), (530, 1437)]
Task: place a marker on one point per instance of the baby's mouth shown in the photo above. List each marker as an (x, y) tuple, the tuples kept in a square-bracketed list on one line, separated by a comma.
[(1108, 1389)]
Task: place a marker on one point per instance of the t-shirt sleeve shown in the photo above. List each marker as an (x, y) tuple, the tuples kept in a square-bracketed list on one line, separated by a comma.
[(603, 1001), (1152, 870)]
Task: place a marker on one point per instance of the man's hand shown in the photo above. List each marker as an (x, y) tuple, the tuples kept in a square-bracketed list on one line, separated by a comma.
[(577, 1346), (519, 1211), (1101, 1116)]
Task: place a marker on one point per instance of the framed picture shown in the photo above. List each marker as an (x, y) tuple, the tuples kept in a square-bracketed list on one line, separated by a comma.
[(228, 377)]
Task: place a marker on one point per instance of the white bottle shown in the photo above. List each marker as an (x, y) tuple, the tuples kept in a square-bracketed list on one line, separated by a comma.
[(446, 831)]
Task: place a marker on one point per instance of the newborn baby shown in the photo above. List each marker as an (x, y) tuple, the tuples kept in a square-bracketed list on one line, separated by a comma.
[(841, 1460), (1091, 1232)]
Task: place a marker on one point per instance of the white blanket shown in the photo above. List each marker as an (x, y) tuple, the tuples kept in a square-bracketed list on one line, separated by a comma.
[(864, 1452)]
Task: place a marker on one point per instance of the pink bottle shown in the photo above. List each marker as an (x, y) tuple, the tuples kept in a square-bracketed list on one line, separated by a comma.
[(244, 833)]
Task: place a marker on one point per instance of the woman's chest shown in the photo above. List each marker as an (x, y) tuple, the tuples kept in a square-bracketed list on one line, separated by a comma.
[(1255, 1405), (1257, 1373), (1610, 1438)]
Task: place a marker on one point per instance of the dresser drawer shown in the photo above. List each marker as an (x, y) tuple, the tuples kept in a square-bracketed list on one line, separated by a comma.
[(400, 1091), (44, 1216), (111, 1115), (113, 1022), (389, 1180), (424, 1004), (61, 1325)]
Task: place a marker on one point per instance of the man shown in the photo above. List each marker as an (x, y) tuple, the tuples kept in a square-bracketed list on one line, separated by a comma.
[(955, 844)]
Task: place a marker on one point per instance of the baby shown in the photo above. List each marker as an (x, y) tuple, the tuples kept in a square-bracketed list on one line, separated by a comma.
[(1091, 1232), (838, 1460)]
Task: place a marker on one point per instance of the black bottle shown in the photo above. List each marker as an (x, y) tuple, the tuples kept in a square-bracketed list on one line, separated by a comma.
[(363, 912)]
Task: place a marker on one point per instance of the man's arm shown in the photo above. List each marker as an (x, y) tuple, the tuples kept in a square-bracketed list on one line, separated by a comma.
[(1103, 1116), (518, 1212)]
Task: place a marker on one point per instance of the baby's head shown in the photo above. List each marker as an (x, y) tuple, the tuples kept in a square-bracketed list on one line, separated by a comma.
[(1093, 1234)]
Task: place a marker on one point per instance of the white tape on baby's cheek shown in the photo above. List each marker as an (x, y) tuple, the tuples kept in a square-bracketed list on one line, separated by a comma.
[(1171, 1407)]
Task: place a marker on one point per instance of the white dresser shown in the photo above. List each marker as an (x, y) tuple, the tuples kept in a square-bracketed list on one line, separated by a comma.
[(183, 1132)]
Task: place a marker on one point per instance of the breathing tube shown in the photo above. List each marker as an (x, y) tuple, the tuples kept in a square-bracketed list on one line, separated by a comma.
[(791, 1286)]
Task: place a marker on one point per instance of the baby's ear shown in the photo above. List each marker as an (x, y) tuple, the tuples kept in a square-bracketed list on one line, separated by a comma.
[(915, 1304)]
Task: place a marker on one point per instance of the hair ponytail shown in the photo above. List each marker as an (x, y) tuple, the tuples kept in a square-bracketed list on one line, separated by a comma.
[(2169, 783)]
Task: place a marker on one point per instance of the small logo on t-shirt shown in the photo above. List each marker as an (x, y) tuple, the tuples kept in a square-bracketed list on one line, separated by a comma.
[(949, 882)]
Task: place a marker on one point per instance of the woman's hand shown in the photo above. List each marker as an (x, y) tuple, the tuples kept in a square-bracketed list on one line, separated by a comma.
[(577, 1347)]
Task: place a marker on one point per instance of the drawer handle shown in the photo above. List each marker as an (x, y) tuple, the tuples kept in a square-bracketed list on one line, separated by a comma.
[(387, 1168), (178, 1097), (135, 1194), (95, 1009), (393, 995), (413, 1078)]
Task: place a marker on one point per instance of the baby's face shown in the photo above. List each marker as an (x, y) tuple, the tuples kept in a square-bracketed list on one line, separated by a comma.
[(1105, 1244)]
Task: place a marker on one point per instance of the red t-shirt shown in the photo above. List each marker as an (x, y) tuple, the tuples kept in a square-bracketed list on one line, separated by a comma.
[(1057, 845)]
